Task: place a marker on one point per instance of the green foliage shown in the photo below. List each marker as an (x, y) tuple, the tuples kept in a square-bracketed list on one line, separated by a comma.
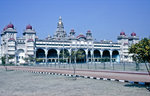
[(64, 53), (141, 51), (80, 54), (39, 59), (3, 59)]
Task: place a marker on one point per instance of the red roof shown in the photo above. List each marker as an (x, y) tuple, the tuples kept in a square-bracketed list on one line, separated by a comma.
[(133, 34), (89, 31), (29, 27), (11, 39), (122, 33), (10, 26), (79, 36), (5, 28)]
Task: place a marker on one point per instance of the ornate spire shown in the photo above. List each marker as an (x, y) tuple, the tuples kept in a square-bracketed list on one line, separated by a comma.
[(60, 32), (60, 23)]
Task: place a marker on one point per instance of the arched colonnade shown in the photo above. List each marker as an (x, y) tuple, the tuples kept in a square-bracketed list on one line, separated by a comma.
[(77, 55)]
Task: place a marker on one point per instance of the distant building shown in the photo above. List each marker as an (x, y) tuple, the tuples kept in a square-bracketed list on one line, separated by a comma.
[(51, 49)]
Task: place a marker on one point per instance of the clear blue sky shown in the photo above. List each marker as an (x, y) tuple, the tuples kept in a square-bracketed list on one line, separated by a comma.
[(105, 18)]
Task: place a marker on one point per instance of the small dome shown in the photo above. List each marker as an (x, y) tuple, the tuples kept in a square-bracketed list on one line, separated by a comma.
[(122, 33), (29, 27), (89, 31), (133, 34), (80, 36), (72, 30), (10, 26)]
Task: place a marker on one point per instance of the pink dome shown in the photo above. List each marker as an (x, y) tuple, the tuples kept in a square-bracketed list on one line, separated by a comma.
[(122, 33), (89, 31), (10, 26), (72, 30), (79, 36), (133, 34), (29, 27)]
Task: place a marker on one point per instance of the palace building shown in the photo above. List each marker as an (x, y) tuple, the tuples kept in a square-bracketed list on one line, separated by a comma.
[(62, 46)]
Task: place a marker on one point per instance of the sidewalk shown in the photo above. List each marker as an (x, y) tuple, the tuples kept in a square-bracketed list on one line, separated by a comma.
[(122, 76)]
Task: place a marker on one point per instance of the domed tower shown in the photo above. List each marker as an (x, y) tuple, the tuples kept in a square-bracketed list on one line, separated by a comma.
[(72, 35), (123, 40), (133, 38), (89, 35), (8, 42), (30, 40), (60, 33)]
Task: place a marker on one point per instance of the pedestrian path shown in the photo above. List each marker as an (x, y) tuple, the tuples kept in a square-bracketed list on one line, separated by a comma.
[(121, 76)]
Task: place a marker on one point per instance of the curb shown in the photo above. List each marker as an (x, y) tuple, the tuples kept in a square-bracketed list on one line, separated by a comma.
[(87, 77)]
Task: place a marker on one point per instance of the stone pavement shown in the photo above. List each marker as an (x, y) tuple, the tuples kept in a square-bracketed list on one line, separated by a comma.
[(122, 76)]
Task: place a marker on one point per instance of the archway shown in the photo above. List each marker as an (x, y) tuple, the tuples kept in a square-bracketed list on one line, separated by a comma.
[(106, 56), (97, 55), (115, 56), (52, 53), (20, 56), (40, 55), (80, 56)]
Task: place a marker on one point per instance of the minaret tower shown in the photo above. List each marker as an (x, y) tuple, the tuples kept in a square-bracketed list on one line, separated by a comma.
[(89, 35), (60, 32), (8, 42), (29, 35)]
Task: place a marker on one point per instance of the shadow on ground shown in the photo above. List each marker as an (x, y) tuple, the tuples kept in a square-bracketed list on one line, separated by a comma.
[(138, 86)]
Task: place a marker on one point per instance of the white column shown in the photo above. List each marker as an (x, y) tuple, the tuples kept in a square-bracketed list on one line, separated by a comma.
[(91, 56), (110, 51), (46, 51), (69, 56), (86, 53)]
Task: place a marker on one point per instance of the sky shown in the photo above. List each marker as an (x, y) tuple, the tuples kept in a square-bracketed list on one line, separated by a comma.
[(105, 18)]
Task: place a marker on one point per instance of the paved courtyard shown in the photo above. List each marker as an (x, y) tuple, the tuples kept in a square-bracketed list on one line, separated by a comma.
[(18, 83)]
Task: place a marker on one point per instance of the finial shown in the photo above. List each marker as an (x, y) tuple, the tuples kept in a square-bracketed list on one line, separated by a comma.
[(60, 18)]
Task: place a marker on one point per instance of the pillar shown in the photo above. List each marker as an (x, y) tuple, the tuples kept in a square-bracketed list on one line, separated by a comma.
[(86, 53), (110, 51), (46, 51), (69, 56)]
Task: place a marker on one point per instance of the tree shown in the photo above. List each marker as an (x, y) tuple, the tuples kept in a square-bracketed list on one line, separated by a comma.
[(141, 52), (64, 54), (80, 55), (73, 60), (3, 59)]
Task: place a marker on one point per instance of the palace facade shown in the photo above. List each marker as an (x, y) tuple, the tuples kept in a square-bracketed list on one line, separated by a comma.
[(61, 46)]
